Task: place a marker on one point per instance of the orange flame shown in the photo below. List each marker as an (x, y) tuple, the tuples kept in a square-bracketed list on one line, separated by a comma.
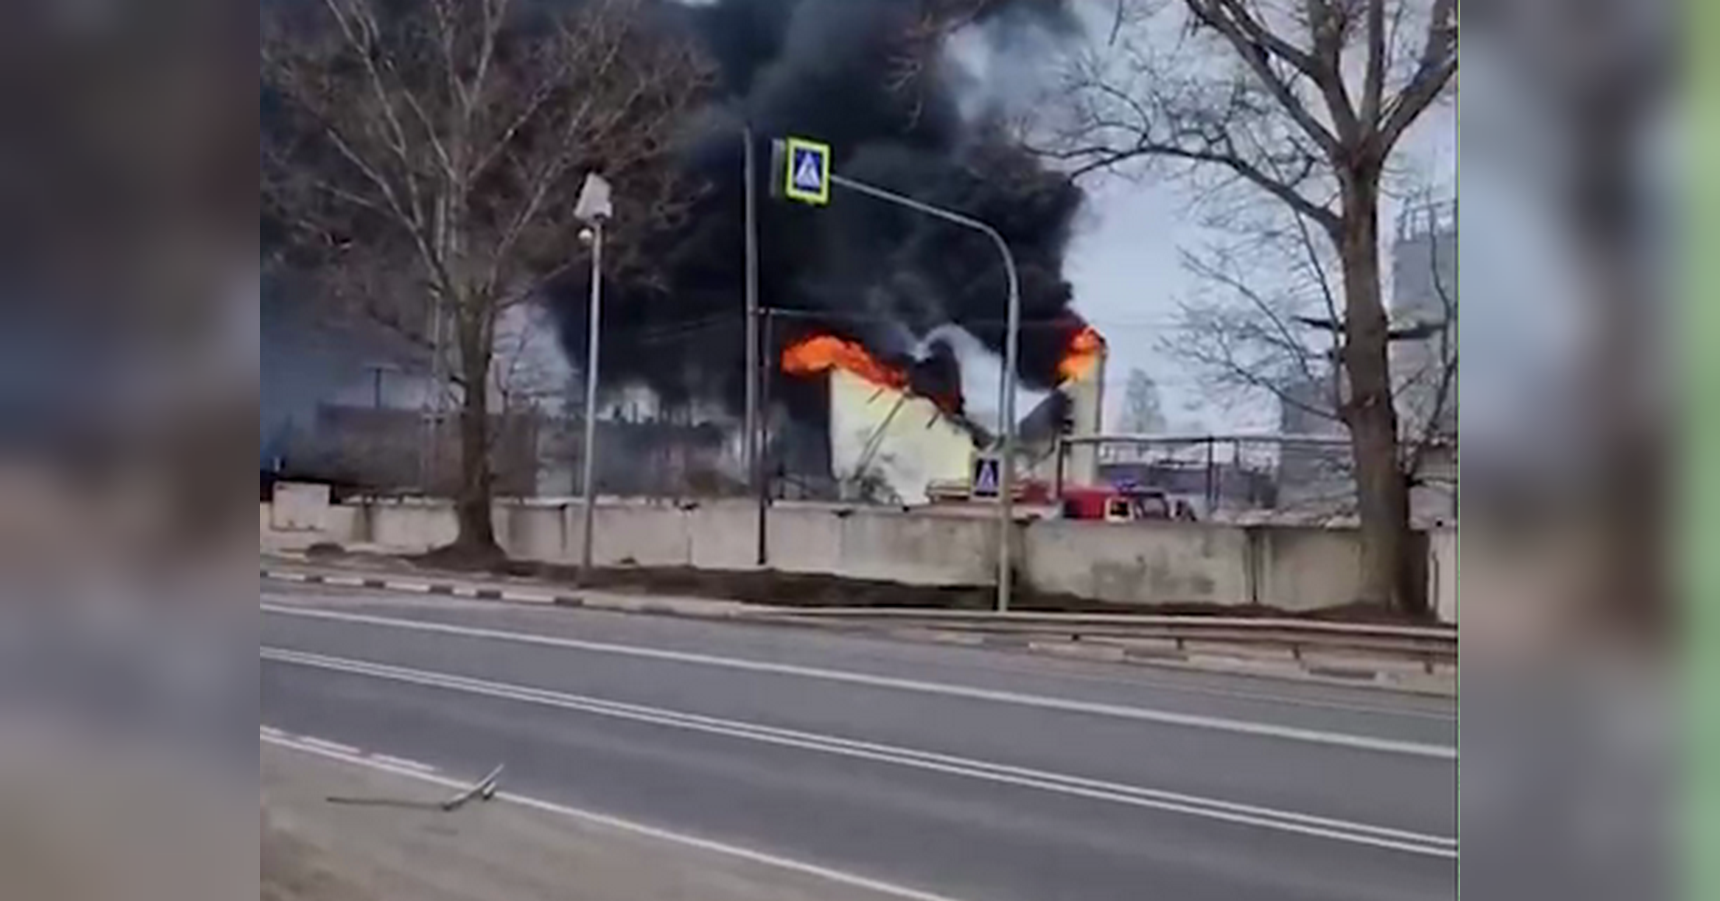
[(822, 352), (1082, 355)]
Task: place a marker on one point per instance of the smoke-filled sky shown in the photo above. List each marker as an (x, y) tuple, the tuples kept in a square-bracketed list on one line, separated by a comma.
[(891, 278)]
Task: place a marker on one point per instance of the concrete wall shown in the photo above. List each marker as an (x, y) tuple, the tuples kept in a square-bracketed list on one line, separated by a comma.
[(916, 549), (1304, 567), (1288, 567), (641, 536), (409, 527), (1442, 573), (725, 536), (536, 532), (1139, 563), (299, 507), (911, 548)]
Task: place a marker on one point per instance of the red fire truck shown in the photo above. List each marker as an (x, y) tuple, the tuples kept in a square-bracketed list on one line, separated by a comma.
[(1115, 504)]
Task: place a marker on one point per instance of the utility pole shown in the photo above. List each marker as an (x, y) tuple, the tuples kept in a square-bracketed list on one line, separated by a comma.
[(751, 439), (762, 470)]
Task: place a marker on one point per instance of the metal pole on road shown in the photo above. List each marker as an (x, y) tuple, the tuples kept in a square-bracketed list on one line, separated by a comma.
[(589, 455), (761, 489), (594, 209), (1011, 350), (750, 442)]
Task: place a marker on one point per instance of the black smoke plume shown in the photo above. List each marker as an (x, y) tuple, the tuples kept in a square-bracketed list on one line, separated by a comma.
[(867, 77)]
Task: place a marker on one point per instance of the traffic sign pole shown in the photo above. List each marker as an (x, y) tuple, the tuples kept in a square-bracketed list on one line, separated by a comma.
[(805, 176), (1011, 353)]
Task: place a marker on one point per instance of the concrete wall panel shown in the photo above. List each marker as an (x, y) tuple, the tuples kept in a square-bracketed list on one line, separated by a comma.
[(1289, 567), (1138, 563)]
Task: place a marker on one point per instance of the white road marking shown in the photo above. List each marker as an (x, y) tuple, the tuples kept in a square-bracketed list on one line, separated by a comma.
[(613, 822), (403, 763), (1056, 669), (1244, 727), (270, 732), (1049, 668), (1211, 808), (331, 746)]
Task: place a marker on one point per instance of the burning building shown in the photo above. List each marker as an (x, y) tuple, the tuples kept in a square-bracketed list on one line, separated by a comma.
[(899, 427)]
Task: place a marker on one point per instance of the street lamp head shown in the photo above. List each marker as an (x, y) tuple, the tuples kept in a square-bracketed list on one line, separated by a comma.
[(593, 205)]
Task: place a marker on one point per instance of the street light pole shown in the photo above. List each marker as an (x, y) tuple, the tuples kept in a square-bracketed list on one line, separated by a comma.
[(594, 209), (589, 457), (1011, 351)]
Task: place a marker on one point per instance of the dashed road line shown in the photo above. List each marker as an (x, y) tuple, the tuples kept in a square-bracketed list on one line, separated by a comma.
[(403, 763), (333, 746), (271, 734)]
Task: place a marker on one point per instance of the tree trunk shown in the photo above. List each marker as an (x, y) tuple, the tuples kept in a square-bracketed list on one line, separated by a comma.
[(474, 503), (1387, 573), (1627, 588)]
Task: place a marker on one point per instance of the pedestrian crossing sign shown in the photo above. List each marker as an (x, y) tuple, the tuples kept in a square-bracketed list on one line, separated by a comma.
[(807, 175), (985, 477)]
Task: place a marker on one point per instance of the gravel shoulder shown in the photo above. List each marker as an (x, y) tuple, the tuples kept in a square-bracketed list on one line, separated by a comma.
[(314, 850)]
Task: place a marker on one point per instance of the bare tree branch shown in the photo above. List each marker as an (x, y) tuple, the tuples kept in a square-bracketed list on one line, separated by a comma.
[(1257, 47), (1374, 78), (1438, 66), (424, 159)]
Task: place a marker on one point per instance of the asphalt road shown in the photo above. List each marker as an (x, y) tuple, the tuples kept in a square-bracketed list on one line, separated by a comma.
[(967, 773)]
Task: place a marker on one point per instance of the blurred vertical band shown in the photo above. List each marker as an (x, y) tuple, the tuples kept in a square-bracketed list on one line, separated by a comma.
[(1702, 460)]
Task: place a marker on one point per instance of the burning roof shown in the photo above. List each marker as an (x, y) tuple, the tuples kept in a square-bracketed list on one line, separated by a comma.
[(937, 377), (820, 353), (1082, 354)]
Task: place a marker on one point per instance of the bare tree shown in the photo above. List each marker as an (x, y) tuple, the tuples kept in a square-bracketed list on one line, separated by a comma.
[(1263, 324), (1301, 102), (424, 158), (1143, 411)]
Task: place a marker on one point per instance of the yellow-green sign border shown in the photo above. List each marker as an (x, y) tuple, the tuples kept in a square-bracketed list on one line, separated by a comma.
[(820, 197)]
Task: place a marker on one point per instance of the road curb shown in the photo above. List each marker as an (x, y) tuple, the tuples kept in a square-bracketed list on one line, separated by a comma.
[(423, 586)]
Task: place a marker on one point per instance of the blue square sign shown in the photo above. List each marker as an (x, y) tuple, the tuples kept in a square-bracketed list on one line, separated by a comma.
[(806, 178)]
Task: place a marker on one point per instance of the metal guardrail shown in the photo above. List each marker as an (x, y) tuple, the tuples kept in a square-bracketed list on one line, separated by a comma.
[(1429, 644)]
